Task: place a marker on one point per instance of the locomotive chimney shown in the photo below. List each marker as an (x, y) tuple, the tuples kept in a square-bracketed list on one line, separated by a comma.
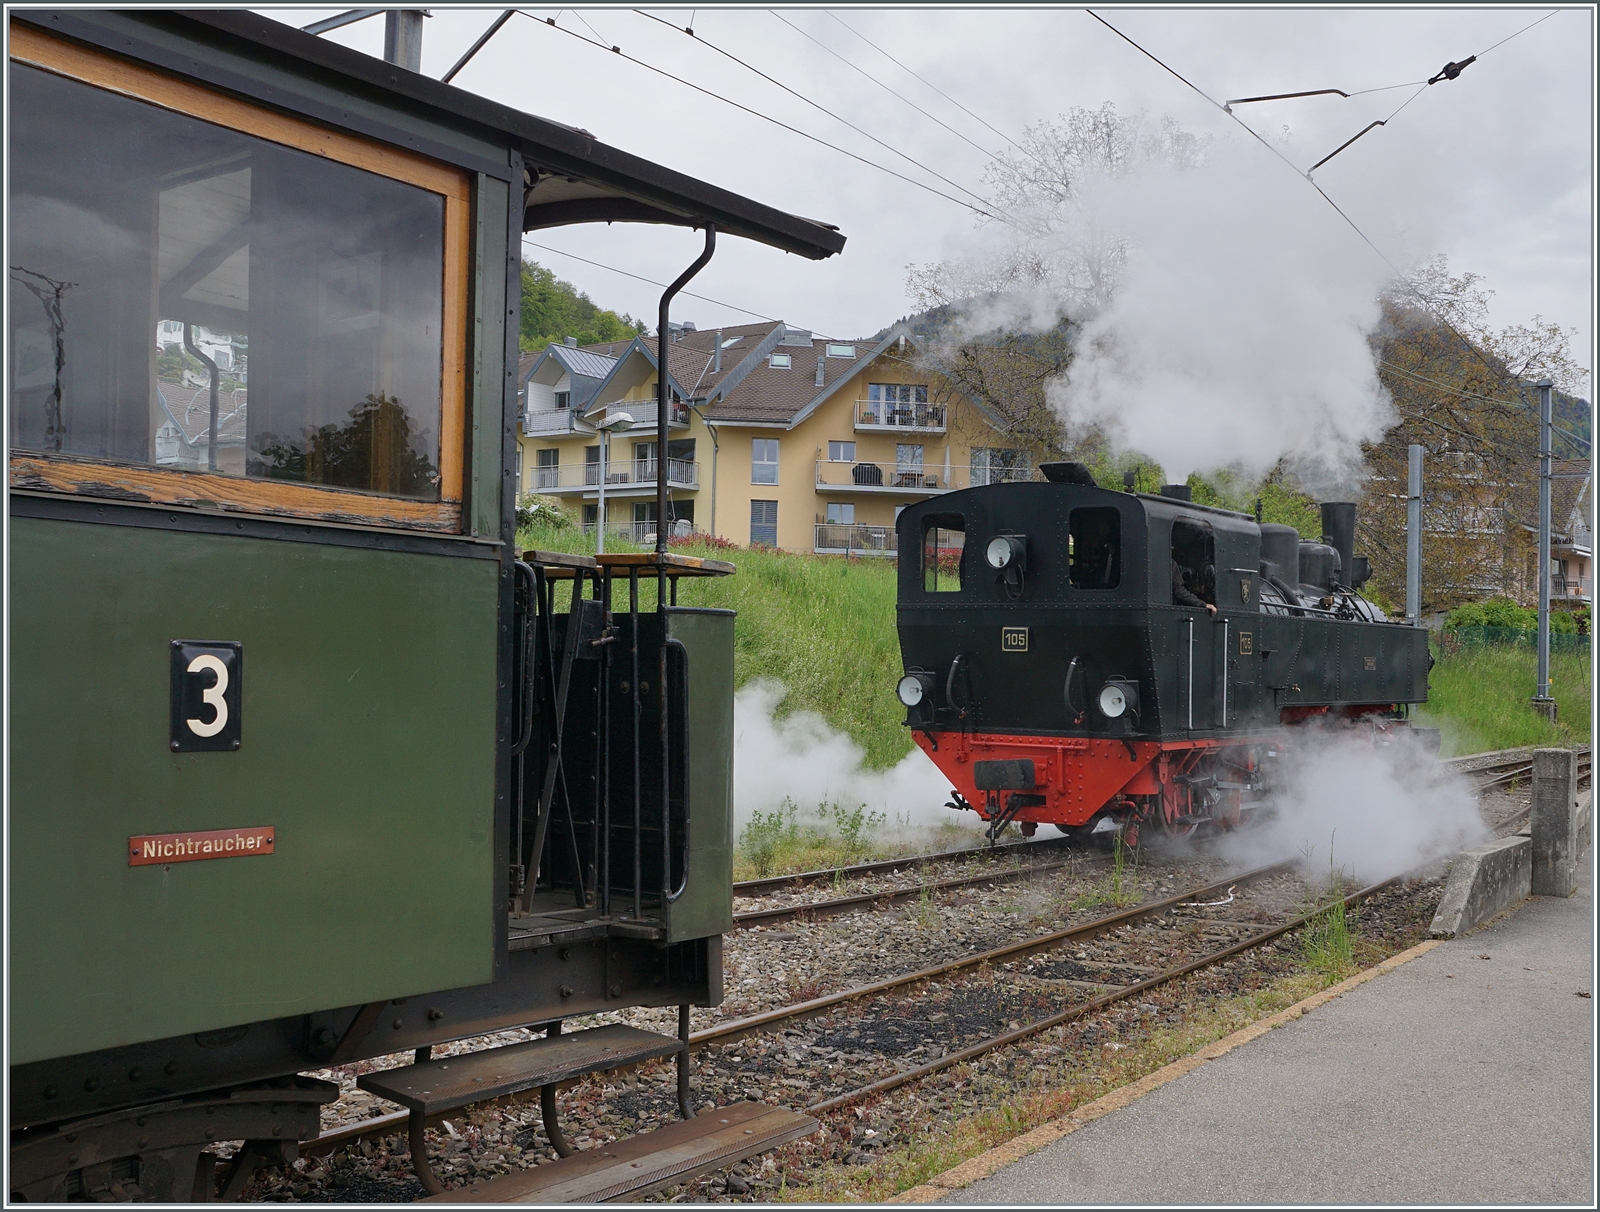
[(1178, 492), (1339, 532)]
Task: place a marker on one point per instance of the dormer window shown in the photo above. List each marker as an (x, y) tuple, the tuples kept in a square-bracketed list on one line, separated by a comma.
[(780, 361), (563, 399)]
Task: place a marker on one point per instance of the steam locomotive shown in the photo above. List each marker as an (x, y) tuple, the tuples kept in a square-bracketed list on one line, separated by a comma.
[(1111, 662)]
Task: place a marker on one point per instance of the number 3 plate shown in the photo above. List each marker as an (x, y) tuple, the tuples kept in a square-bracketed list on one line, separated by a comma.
[(207, 676)]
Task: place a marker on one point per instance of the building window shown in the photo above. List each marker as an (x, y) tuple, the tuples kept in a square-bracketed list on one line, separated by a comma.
[(591, 516), (547, 468), (898, 393), (841, 351), (997, 466), (841, 452), (764, 461), (763, 523), (780, 362), (907, 466), (326, 278), (840, 513), (563, 399)]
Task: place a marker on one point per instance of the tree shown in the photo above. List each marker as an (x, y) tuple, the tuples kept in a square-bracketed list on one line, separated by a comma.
[(1456, 386), (553, 310)]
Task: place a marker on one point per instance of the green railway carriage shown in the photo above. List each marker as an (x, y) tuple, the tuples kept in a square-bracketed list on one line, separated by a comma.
[(291, 781)]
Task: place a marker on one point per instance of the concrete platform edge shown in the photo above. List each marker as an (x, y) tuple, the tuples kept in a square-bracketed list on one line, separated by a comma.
[(1483, 881), (992, 1160)]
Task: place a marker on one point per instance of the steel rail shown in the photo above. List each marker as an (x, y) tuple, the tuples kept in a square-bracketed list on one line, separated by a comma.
[(815, 910), (779, 883), (962, 1055), (738, 1028), (396, 1122)]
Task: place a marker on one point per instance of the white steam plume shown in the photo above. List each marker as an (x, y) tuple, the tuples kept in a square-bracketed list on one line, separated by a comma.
[(1379, 811), (804, 759), (1238, 332)]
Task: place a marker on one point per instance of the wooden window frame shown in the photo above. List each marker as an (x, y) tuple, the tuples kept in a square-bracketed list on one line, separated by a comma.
[(124, 481)]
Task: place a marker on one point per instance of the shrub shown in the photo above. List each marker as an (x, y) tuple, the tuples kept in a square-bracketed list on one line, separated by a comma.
[(541, 512), (1503, 613)]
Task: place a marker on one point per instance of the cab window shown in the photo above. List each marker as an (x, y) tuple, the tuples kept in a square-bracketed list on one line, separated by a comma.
[(1094, 548), (232, 305), (943, 543)]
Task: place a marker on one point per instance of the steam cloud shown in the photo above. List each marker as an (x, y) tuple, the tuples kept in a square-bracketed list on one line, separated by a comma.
[(802, 758), (1238, 334), (1379, 811)]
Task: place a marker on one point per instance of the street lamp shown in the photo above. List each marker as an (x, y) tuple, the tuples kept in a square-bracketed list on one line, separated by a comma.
[(615, 424)]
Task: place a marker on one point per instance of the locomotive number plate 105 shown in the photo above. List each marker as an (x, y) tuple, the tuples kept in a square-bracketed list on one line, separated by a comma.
[(1013, 639)]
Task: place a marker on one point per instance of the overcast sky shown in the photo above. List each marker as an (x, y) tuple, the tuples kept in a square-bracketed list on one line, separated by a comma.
[(1494, 169)]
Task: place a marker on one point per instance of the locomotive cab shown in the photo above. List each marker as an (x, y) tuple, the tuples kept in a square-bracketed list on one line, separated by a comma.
[(1098, 659)]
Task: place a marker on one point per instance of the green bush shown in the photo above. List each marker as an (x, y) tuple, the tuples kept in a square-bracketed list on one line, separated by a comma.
[(1506, 615)]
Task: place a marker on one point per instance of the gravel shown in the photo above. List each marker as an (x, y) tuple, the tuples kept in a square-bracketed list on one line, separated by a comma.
[(859, 1042)]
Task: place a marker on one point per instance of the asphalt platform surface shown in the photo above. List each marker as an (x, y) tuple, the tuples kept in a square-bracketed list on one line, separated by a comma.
[(1462, 1077)]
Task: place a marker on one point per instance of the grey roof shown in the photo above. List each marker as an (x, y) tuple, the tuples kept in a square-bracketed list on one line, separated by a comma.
[(581, 362)]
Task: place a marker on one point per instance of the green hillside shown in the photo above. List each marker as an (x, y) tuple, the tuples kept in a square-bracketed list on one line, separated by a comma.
[(553, 310)]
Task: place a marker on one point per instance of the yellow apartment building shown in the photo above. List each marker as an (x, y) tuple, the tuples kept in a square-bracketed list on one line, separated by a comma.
[(777, 438)]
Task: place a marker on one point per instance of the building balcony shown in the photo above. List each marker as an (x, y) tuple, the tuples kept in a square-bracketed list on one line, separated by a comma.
[(642, 534), (894, 478), (551, 423), (906, 479), (626, 477), (883, 416), (849, 539), (643, 413), (1570, 589)]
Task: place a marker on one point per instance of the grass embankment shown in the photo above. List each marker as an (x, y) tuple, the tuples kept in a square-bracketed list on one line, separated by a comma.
[(1479, 697), (823, 626)]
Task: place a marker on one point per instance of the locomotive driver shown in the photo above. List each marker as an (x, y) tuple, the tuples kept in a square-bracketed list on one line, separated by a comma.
[(1184, 595)]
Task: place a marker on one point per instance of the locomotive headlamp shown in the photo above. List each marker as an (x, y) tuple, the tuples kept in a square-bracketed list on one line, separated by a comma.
[(1006, 551), (914, 689), (1117, 698)]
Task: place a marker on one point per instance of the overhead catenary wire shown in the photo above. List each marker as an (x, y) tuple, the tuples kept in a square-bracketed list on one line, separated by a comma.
[(893, 93), (926, 82), (551, 23), (1399, 276), (689, 294), (1468, 395), (889, 147)]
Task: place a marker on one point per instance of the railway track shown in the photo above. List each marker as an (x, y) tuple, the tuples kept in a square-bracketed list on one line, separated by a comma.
[(769, 1021), (882, 899), (1511, 768)]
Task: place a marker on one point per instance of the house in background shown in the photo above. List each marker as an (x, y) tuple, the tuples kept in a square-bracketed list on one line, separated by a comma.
[(1571, 534), (778, 437)]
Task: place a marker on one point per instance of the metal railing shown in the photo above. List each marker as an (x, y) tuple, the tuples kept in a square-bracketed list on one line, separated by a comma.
[(1569, 587), (850, 538), (914, 478), (643, 413), (892, 414), (620, 474), (642, 533), (539, 422)]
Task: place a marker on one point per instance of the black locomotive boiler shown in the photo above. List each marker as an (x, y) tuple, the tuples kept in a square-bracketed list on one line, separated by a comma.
[(1112, 661)]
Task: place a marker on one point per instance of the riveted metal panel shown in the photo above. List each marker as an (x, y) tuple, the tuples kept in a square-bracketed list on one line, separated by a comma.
[(706, 906), (369, 749)]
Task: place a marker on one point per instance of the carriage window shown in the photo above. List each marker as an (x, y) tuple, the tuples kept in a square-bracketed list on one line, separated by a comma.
[(942, 542), (1094, 548), (190, 297)]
